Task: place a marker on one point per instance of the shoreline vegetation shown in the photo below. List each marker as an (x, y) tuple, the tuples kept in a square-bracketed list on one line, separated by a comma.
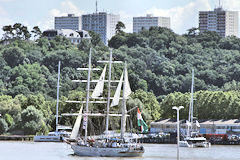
[(160, 63)]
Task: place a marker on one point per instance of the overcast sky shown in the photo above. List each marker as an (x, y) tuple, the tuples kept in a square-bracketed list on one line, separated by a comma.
[(183, 13)]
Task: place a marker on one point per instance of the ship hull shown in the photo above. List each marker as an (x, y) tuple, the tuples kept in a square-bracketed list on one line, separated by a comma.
[(194, 145), (44, 138), (105, 152)]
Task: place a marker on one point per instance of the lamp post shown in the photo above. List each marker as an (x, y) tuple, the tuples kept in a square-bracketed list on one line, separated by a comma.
[(177, 109)]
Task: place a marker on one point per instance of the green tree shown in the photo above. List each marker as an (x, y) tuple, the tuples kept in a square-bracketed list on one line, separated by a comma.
[(150, 103), (193, 31), (32, 120), (37, 32), (31, 78), (9, 119), (84, 45), (8, 32), (95, 38), (3, 126), (119, 27), (13, 56), (117, 41), (17, 31)]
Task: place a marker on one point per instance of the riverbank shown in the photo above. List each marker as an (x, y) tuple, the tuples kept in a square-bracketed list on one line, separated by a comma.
[(16, 138)]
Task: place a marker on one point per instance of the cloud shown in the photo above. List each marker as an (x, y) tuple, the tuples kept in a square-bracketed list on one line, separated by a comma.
[(182, 17), (4, 19), (6, 0), (66, 7), (2, 12), (127, 20), (233, 5)]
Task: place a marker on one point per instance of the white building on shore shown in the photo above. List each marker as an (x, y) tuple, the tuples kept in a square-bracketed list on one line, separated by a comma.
[(74, 36)]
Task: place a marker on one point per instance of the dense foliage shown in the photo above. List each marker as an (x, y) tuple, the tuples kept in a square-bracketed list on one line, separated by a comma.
[(213, 104), (159, 65)]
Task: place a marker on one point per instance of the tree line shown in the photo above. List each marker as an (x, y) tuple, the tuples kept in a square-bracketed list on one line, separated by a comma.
[(159, 65)]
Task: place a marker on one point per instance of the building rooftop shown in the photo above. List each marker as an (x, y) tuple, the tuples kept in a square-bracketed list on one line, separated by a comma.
[(211, 121)]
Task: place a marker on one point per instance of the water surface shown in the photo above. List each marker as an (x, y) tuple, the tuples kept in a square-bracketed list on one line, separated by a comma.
[(15, 150)]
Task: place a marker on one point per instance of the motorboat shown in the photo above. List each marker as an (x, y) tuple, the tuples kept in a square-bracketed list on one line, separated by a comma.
[(193, 142), (52, 137)]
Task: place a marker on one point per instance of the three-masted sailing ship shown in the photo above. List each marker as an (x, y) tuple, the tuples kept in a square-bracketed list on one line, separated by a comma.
[(107, 146)]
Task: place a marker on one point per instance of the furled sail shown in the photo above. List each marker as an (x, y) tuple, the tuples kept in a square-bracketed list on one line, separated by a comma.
[(116, 97), (127, 91), (98, 90), (77, 125)]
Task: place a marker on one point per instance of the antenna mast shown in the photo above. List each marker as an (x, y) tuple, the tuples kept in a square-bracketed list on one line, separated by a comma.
[(96, 7)]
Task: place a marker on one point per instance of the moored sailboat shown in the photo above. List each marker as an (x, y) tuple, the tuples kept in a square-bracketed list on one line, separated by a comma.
[(60, 133), (193, 139)]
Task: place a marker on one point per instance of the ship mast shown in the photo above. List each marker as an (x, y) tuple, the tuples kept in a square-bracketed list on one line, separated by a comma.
[(109, 91), (86, 114), (192, 97), (190, 116), (59, 63), (123, 120), (110, 62), (88, 89)]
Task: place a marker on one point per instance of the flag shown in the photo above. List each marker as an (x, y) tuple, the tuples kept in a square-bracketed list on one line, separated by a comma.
[(188, 123), (84, 121), (141, 122), (197, 124)]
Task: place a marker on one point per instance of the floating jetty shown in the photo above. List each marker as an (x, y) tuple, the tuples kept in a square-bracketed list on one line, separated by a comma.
[(15, 138)]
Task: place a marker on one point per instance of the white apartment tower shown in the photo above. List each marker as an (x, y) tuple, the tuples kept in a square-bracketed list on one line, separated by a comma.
[(225, 23), (102, 23), (149, 21), (68, 22)]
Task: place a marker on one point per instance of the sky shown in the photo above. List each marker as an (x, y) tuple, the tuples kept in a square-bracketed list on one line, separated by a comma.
[(183, 13)]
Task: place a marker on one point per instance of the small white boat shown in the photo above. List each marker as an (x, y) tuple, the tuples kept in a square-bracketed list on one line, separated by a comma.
[(193, 142), (184, 144), (52, 137)]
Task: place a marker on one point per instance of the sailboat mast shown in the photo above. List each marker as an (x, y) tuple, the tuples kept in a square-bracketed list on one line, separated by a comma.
[(88, 89), (109, 92), (123, 120), (189, 118), (59, 63), (192, 98)]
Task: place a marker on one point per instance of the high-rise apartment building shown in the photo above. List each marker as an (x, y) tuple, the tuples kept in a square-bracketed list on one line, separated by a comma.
[(225, 23), (149, 21), (102, 23), (68, 22)]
